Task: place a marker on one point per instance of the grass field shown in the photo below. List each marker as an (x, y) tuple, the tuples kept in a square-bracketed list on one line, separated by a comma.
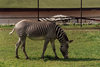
[(48, 3), (83, 52)]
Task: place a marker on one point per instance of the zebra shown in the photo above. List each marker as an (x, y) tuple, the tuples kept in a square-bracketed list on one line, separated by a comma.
[(45, 19), (56, 18), (46, 31)]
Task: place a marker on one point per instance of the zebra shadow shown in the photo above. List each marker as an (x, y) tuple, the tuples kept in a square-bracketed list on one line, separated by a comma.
[(52, 58)]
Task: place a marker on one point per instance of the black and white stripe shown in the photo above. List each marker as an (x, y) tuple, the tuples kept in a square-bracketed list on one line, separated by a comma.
[(55, 18), (45, 19), (61, 36)]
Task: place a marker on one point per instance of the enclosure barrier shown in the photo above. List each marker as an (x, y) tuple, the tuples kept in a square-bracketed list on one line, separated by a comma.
[(13, 20)]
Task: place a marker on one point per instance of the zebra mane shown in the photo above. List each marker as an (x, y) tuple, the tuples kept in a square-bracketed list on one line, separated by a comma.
[(66, 37), (61, 34)]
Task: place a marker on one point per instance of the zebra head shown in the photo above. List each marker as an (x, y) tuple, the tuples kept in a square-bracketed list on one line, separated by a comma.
[(64, 49)]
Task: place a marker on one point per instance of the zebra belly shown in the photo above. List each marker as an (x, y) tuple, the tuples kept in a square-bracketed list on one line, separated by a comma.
[(37, 38)]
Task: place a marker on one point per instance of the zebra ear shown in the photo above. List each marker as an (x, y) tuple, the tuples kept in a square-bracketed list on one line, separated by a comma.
[(70, 41)]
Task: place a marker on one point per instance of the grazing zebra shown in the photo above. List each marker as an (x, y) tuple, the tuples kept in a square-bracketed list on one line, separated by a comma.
[(41, 30)]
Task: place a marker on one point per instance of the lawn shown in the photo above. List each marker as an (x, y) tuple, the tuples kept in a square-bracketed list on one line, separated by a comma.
[(48, 3), (83, 52)]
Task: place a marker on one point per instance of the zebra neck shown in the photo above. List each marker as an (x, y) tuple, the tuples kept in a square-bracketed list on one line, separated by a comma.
[(61, 36)]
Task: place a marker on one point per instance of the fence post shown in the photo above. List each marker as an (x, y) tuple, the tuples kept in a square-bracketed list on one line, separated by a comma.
[(38, 8), (81, 14)]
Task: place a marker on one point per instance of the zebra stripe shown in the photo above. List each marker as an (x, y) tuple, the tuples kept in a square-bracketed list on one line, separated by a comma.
[(56, 18), (45, 19), (61, 36)]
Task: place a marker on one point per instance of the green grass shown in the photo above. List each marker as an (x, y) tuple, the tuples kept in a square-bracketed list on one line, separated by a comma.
[(18, 3), (6, 26), (84, 26), (70, 26), (83, 52), (48, 3)]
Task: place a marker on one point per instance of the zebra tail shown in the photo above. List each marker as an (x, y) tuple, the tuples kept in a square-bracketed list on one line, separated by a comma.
[(12, 31)]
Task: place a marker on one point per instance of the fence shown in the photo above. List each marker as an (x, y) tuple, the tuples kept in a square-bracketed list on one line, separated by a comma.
[(59, 20)]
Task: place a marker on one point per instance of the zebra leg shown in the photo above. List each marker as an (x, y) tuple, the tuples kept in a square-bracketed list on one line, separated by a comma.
[(17, 46), (23, 48), (53, 47), (44, 48)]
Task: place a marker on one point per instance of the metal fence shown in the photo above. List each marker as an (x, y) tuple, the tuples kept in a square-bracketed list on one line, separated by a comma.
[(74, 20)]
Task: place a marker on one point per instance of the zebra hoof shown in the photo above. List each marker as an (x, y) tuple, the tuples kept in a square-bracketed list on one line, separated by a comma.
[(56, 57), (27, 58), (17, 57), (42, 57)]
